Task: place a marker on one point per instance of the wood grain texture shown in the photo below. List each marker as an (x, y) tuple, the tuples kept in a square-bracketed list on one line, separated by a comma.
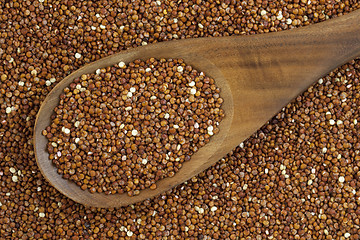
[(258, 75)]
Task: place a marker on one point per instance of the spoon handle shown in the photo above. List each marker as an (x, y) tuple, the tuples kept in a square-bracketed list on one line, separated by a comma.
[(318, 48), (336, 41), (266, 71)]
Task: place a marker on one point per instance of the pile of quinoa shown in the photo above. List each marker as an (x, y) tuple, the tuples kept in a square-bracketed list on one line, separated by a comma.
[(296, 178), (123, 128)]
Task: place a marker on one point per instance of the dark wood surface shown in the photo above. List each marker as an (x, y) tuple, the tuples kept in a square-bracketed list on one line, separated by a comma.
[(258, 75)]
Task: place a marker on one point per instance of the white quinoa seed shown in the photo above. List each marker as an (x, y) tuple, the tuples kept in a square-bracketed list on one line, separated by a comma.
[(132, 89), (98, 71), (201, 210), (191, 84), (12, 170), (77, 55), (67, 131), (21, 83), (347, 235), (341, 179), (148, 70), (144, 161), (8, 110), (41, 214), (213, 208), (14, 178), (122, 65), (332, 122), (134, 132), (166, 116), (193, 91), (180, 69)]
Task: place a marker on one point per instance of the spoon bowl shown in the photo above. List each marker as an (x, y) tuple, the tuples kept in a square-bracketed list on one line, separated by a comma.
[(258, 75)]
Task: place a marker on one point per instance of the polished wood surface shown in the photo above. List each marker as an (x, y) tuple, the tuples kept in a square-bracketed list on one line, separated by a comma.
[(258, 75)]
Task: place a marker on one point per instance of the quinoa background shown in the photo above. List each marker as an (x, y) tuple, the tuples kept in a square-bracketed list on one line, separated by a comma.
[(296, 178)]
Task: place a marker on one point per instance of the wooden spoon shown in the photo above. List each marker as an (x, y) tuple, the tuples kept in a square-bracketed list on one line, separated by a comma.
[(258, 75)]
